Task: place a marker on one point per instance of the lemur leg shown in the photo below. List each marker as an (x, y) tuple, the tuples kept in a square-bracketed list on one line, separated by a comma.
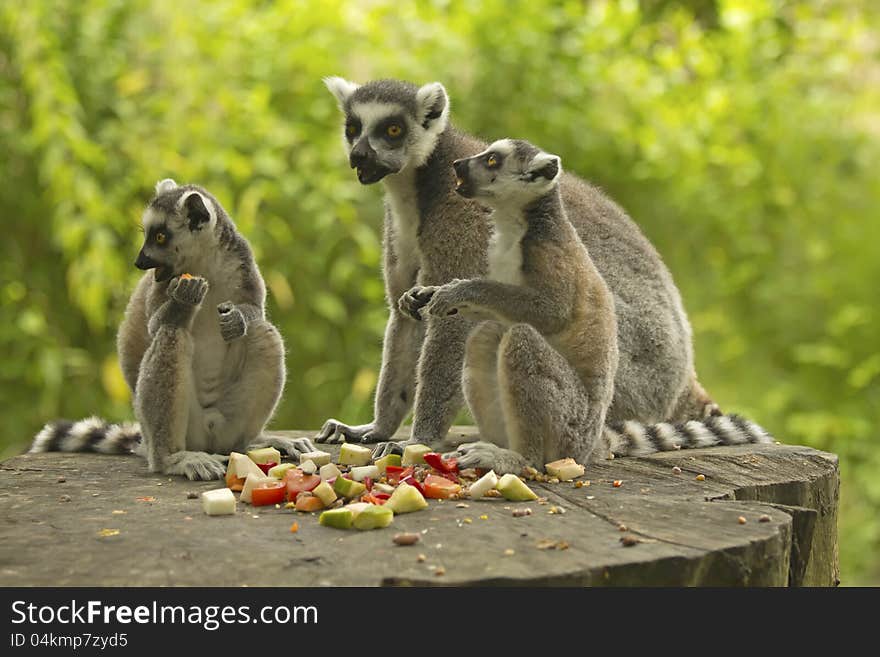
[(694, 403), (165, 382), (547, 413), (480, 381)]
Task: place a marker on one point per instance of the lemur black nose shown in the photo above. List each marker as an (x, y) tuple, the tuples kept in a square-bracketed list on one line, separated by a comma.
[(145, 262), (361, 154)]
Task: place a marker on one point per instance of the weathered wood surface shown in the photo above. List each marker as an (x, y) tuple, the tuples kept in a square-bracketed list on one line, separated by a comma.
[(689, 530)]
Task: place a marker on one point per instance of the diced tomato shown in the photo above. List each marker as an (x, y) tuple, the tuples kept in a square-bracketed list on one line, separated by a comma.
[(435, 460), (368, 482), (395, 473), (437, 487), (382, 497), (412, 481), (265, 467), (308, 503), (268, 492), (298, 481)]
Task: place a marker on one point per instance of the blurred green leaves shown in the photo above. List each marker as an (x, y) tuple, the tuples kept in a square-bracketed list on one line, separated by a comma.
[(743, 136)]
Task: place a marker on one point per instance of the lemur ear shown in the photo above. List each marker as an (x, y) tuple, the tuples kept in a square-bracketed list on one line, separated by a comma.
[(432, 104), (196, 211), (544, 165), (341, 88), (165, 185)]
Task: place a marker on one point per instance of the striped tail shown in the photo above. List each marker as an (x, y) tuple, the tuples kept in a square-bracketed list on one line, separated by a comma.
[(634, 438), (90, 435)]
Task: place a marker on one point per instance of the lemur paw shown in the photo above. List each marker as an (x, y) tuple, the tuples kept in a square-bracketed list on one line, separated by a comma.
[(487, 456), (196, 465), (334, 432), (446, 301), (413, 300), (390, 447), (190, 291), (232, 322)]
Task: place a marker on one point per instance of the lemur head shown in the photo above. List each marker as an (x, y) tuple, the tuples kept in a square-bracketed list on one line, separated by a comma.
[(389, 125), (178, 227), (509, 172)]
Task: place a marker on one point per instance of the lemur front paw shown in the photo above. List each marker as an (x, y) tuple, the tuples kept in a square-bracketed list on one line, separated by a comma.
[(190, 291), (196, 465), (487, 456), (390, 447), (335, 431), (291, 446), (446, 300), (413, 300), (232, 322)]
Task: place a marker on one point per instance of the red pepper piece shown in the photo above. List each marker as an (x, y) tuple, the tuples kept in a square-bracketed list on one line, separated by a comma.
[(412, 481), (436, 461)]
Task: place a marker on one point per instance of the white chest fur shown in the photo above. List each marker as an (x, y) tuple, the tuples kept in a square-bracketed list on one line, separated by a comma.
[(403, 203), (505, 252)]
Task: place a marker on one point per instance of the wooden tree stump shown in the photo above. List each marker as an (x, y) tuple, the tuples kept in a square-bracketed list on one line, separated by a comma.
[(656, 528)]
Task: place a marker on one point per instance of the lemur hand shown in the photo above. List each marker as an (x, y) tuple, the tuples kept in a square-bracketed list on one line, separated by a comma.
[(414, 299), (190, 291), (232, 322), (447, 300)]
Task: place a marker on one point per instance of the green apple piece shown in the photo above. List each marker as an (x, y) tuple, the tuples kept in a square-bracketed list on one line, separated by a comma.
[(414, 454), (339, 518), (514, 489), (218, 502), (385, 461), (278, 471), (329, 471), (483, 485), (406, 499), (374, 517), (265, 455), (325, 493), (241, 466), (250, 483), (565, 469), (356, 508), (352, 454), (308, 467), (348, 488), (364, 471), (318, 458)]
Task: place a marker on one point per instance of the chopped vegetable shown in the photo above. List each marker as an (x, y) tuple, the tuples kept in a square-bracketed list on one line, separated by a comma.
[(341, 518), (218, 502), (394, 473), (382, 488), (483, 485), (240, 466), (564, 469), (406, 499), (329, 471), (251, 482), (374, 517), (364, 471), (514, 489), (265, 467), (265, 455), (325, 493), (308, 502), (348, 487), (385, 461), (268, 492), (352, 454), (440, 487), (318, 458), (414, 454), (436, 461), (279, 470), (308, 467), (617, 483), (298, 481), (412, 481)]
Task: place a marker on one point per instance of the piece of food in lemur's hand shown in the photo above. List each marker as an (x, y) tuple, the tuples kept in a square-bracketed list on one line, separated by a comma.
[(219, 502)]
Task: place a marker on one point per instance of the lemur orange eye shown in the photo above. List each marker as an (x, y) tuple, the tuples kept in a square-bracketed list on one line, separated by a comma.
[(160, 238), (492, 161), (394, 130)]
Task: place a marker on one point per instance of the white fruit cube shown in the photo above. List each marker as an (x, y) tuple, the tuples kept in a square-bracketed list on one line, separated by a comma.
[(219, 502)]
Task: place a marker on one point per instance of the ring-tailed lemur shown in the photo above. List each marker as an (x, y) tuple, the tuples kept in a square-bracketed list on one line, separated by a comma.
[(539, 369), (205, 367), (400, 133)]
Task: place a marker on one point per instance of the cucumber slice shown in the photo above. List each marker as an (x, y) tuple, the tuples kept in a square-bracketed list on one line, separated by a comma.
[(318, 458), (385, 461), (265, 455), (329, 471), (218, 502), (374, 517), (279, 470), (348, 488), (414, 454), (325, 493), (364, 471), (406, 499), (352, 454), (483, 485), (514, 489), (565, 469), (338, 518)]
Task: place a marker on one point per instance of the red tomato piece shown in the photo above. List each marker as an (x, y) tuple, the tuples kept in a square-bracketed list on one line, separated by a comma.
[(393, 473), (437, 487), (412, 481), (298, 481), (368, 482), (268, 492), (435, 460), (265, 467)]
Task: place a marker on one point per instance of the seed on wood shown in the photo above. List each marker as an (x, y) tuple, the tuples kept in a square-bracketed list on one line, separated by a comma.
[(439, 570), (406, 538), (562, 545), (520, 512), (462, 506), (61, 480), (64, 498), (421, 558), (701, 477), (192, 495), (741, 520), (764, 518), (629, 541), (622, 528), (617, 483), (509, 552), (676, 470), (467, 521)]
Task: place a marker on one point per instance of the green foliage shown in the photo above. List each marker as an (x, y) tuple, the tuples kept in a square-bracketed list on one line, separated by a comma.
[(741, 134)]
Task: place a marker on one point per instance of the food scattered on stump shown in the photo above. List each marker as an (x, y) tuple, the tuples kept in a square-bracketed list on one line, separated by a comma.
[(741, 520), (629, 540), (764, 518), (676, 470), (701, 477)]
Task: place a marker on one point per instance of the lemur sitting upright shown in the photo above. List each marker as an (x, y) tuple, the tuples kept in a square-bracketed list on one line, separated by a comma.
[(205, 367), (539, 370)]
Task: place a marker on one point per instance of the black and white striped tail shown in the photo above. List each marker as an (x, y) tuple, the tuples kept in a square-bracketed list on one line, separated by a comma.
[(90, 435), (634, 438)]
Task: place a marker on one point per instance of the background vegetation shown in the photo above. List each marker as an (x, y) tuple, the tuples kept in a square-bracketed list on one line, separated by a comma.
[(743, 135)]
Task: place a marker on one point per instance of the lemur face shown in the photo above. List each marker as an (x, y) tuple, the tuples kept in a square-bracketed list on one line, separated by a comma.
[(389, 125), (508, 172), (178, 227)]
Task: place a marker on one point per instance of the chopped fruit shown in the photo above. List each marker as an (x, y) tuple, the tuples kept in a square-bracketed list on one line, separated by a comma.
[(268, 492), (251, 482), (325, 493), (339, 518), (382, 488), (329, 471), (514, 489), (412, 481), (298, 481), (356, 508), (308, 467), (385, 461), (265, 467), (440, 487), (406, 499), (294, 528), (279, 470), (414, 454), (617, 483), (436, 461), (564, 469), (676, 470), (348, 487), (483, 485), (352, 454), (701, 477), (365, 471), (308, 502), (374, 517), (265, 455), (240, 466), (318, 458), (395, 473), (219, 502)]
